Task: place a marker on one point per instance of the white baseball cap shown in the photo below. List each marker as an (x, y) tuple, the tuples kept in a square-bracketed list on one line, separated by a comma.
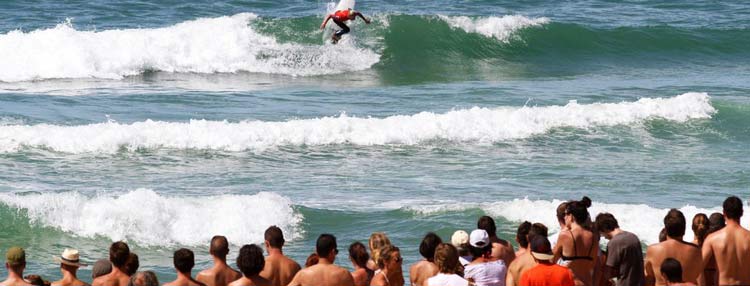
[(479, 238)]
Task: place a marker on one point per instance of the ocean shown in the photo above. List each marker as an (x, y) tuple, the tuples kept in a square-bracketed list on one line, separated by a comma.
[(163, 123)]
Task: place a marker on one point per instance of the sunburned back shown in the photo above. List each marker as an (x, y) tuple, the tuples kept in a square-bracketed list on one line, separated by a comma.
[(520, 265), (687, 254), (731, 249), (255, 281), (362, 277), (279, 269), (218, 276), (421, 271), (501, 249), (69, 283), (13, 282), (115, 278), (323, 275)]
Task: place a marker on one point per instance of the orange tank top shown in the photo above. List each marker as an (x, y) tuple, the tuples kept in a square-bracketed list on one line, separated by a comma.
[(341, 15)]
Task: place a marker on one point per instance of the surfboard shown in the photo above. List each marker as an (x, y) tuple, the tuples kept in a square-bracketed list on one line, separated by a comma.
[(345, 4)]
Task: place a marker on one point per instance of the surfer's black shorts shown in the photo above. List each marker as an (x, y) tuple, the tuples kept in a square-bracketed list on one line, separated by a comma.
[(344, 28)]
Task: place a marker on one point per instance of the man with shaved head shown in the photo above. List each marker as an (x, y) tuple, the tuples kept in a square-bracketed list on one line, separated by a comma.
[(220, 274)]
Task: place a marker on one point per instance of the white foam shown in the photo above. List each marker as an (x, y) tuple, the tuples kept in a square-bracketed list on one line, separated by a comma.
[(501, 28), (151, 219), (644, 221), (208, 45), (475, 125)]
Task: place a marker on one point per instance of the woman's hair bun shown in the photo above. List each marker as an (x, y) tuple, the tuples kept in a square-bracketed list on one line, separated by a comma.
[(585, 201)]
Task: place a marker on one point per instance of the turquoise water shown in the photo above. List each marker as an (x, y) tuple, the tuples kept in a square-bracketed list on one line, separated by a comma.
[(167, 123)]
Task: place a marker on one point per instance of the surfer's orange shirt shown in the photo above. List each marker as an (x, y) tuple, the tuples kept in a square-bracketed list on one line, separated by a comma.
[(342, 15)]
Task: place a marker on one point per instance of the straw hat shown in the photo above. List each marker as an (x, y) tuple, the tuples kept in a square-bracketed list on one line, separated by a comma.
[(70, 257)]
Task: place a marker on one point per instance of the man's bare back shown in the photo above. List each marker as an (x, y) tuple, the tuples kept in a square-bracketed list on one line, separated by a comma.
[(15, 282), (279, 269), (64, 282), (518, 267), (730, 247), (687, 254), (219, 275), (420, 271), (184, 282), (323, 275), (255, 281), (501, 249), (114, 278)]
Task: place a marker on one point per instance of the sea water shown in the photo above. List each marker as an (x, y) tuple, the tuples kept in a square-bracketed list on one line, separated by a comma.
[(163, 123)]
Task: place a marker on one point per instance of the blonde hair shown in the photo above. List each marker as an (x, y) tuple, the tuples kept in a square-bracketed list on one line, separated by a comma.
[(377, 241)]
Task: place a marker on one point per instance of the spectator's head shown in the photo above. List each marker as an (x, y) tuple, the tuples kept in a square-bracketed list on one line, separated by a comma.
[(733, 208), (326, 246), (219, 247), (132, 264), (522, 234), (15, 259), (428, 245), (488, 224), (541, 249), (605, 223), (446, 258), (561, 209), (274, 237), (101, 267), (579, 210), (460, 239), (184, 260), (479, 243), (671, 270), (674, 223), (663, 235), (118, 254), (700, 227), (390, 257), (715, 222), (69, 260), (312, 259), (358, 254), (537, 228), (35, 280), (144, 278), (376, 242), (250, 261)]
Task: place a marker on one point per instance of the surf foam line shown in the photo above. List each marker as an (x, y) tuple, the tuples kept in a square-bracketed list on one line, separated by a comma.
[(475, 125), (151, 219), (207, 45), (643, 220), (501, 28)]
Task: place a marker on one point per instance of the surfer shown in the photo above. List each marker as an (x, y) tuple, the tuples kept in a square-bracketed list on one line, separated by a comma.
[(339, 17)]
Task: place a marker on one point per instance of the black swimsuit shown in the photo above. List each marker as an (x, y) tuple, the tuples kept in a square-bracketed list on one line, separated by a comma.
[(570, 258)]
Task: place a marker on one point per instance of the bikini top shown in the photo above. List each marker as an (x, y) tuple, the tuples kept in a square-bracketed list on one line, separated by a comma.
[(575, 257)]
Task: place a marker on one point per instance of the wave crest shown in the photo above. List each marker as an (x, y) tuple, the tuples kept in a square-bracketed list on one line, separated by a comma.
[(479, 125), (208, 45), (151, 219)]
